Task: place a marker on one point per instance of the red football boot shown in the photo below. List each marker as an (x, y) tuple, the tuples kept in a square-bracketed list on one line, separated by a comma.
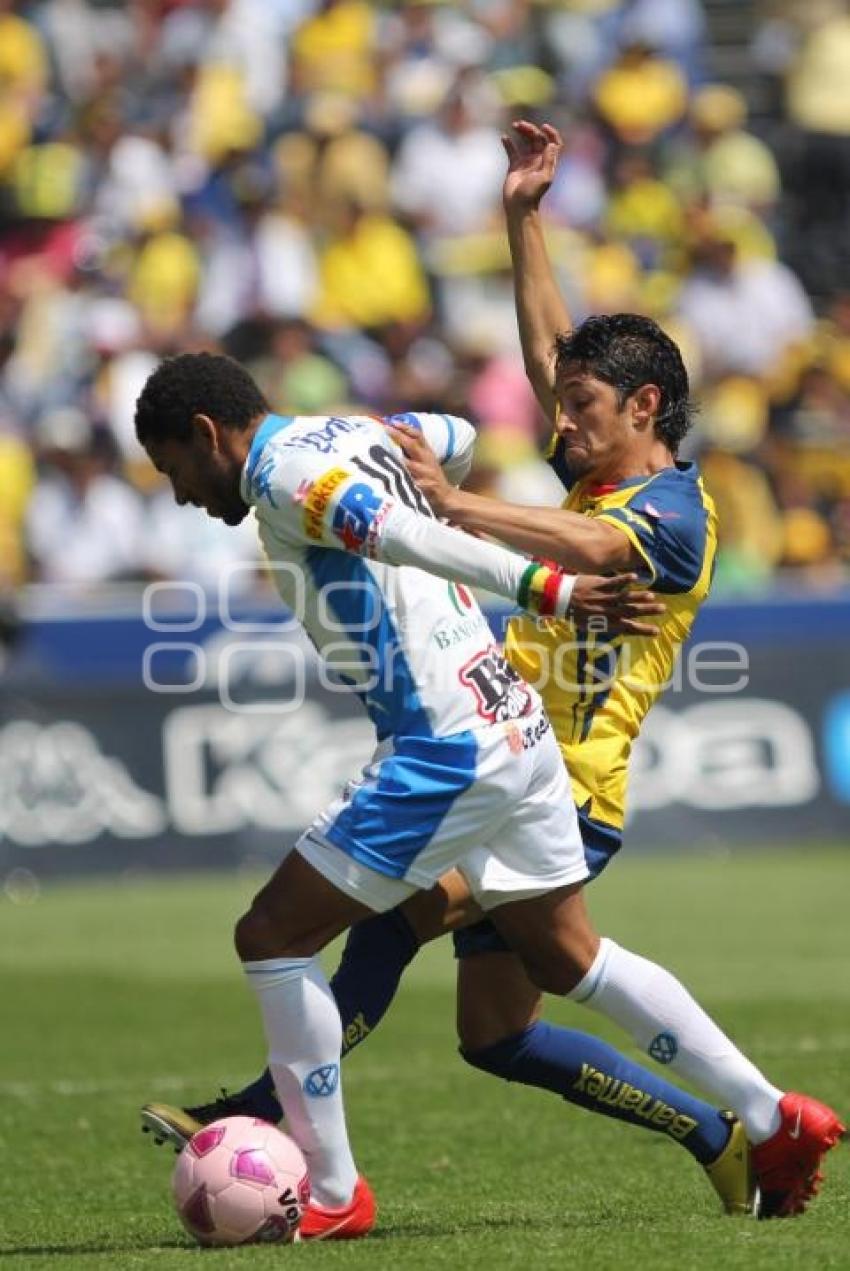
[(347, 1222), (786, 1165)]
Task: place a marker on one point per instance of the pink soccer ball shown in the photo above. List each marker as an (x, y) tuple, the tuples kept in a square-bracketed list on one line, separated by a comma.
[(239, 1180)]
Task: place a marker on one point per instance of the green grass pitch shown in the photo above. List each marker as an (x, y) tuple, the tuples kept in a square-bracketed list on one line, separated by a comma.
[(118, 992)]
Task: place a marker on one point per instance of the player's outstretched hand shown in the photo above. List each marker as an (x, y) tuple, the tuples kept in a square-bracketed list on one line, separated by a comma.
[(423, 467), (533, 152), (625, 605)]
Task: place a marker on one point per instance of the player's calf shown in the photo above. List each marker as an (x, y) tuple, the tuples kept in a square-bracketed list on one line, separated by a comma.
[(553, 936), (590, 1074)]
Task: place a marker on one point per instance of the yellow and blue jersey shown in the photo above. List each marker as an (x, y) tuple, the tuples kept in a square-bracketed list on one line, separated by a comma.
[(597, 687)]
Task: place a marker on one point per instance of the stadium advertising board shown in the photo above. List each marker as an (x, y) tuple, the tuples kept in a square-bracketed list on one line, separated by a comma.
[(225, 742)]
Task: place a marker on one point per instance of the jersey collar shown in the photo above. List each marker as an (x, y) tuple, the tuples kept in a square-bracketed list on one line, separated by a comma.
[(602, 488), (271, 425)]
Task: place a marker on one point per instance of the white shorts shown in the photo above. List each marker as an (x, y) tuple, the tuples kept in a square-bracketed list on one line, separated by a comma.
[(494, 803)]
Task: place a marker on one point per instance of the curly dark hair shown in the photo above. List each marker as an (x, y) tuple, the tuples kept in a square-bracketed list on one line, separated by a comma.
[(191, 384), (627, 351)]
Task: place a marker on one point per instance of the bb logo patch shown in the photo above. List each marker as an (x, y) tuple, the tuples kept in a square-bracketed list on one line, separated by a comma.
[(318, 497), (322, 1082)]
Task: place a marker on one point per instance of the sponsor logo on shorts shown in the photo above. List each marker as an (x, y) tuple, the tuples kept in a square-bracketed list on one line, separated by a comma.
[(322, 1082), (318, 497), (614, 1093)]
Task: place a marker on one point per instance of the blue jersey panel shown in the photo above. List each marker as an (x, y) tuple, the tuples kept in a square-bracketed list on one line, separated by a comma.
[(351, 594), (393, 817), (670, 519)]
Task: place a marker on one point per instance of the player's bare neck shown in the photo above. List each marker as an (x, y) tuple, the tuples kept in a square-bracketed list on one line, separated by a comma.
[(239, 440)]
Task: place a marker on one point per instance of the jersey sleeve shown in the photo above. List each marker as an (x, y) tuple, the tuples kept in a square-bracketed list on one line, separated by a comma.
[(344, 508), (666, 522), (450, 437)]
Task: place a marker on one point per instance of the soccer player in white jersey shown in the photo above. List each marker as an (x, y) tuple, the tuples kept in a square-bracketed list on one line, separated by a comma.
[(466, 772)]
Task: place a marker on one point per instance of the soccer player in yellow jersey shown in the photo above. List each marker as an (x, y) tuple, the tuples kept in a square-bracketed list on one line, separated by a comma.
[(616, 391), (631, 506)]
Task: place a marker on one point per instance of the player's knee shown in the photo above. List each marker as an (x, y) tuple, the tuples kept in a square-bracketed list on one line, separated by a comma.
[(257, 936), (499, 1058), (558, 974), (246, 937)]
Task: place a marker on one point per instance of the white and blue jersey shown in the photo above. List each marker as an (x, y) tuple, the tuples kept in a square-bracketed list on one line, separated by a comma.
[(380, 587), (349, 536)]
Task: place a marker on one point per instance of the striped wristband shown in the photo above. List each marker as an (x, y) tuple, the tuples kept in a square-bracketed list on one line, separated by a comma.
[(545, 592)]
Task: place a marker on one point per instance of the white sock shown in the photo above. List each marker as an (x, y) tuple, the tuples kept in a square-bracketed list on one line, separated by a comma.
[(304, 1034), (665, 1021)]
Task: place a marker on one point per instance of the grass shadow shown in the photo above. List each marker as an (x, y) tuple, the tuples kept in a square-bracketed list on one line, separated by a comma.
[(92, 1246)]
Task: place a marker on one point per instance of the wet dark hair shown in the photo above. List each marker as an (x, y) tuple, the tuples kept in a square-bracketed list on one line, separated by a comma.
[(192, 384), (627, 351)]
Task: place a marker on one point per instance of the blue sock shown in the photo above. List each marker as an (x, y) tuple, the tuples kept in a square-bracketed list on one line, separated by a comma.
[(589, 1072), (376, 954)]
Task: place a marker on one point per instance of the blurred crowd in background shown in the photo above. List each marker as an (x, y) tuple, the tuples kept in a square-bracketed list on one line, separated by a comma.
[(313, 186)]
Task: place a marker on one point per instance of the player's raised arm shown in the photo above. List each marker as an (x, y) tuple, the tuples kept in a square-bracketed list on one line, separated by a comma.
[(533, 154)]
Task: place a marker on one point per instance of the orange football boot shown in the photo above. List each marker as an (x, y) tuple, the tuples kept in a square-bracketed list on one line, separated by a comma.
[(786, 1164), (346, 1222)]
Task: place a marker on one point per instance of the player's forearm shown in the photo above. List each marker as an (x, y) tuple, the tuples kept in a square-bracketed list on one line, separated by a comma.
[(407, 539), (575, 542), (541, 311)]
